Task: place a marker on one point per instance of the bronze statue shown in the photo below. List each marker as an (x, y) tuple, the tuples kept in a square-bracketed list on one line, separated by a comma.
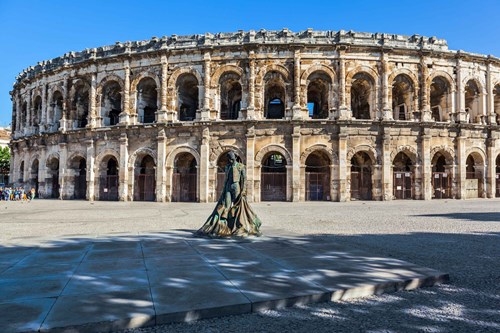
[(232, 215)]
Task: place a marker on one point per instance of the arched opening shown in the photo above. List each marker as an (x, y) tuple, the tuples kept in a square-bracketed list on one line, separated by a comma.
[(147, 100), (496, 102), (473, 103), (34, 182), (55, 115), (78, 171), (187, 97), (37, 112), (402, 97), (318, 90), (362, 96), (24, 116), (441, 179), (145, 179), (440, 95), (273, 177), (361, 177), (318, 177), (221, 172), (52, 185), (80, 105), (474, 183), (274, 96), (111, 103), (21, 172), (184, 182), (230, 96), (497, 176), (403, 176), (108, 179)]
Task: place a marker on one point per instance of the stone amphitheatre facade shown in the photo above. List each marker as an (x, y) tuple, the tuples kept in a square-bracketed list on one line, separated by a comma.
[(314, 115)]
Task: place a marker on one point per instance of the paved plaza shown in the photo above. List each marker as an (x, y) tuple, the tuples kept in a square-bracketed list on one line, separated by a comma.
[(110, 265)]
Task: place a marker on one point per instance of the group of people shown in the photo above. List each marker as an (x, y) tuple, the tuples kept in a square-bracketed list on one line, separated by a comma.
[(16, 194)]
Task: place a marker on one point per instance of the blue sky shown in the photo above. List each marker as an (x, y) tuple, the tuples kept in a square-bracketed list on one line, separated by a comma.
[(32, 31)]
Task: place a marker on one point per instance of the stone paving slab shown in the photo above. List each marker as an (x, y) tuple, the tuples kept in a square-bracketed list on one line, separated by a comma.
[(126, 281)]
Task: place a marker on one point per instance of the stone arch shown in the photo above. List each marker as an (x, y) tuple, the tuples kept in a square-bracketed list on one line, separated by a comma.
[(143, 151), (259, 80), (76, 154), (447, 152), (319, 147), (220, 150), (52, 156), (403, 71), (362, 69), (271, 148), (229, 68), (183, 70), (182, 149), (107, 152), (410, 151), (317, 68), (480, 84), (369, 150), (143, 75), (478, 155), (32, 159), (109, 78), (450, 80)]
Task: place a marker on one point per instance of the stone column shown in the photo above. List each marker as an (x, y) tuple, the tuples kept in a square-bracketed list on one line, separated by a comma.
[(29, 113), (345, 111), (426, 114), (63, 157), (426, 171), (250, 159), (386, 106), (43, 117), (125, 114), (161, 172), (42, 171), (461, 164), (343, 169), (19, 126), (386, 166), (491, 168), (123, 172), (92, 121), (296, 163), (296, 109), (27, 167), (204, 165), (251, 90), (161, 115), (460, 95), (205, 112), (90, 170)]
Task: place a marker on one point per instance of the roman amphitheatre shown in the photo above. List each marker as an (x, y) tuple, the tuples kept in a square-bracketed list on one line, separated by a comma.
[(314, 115)]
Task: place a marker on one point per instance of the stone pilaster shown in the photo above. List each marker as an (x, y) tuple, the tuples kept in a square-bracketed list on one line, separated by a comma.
[(491, 180), (386, 105), (90, 170), (161, 115), (490, 97), (250, 159), (461, 164), (92, 121), (42, 172), (343, 169), (63, 157), (204, 165), (125, 114), (460, 94), (123, 172), (296, 163), (27, 167), (345, 111), (386, 166), (426, 167), (251, 88), (426, 114), (296, 109), (161, 172), (43, 122), (205, 111)]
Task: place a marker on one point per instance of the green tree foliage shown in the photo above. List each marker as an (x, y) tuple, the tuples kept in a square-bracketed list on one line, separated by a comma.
[(4, 160)]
